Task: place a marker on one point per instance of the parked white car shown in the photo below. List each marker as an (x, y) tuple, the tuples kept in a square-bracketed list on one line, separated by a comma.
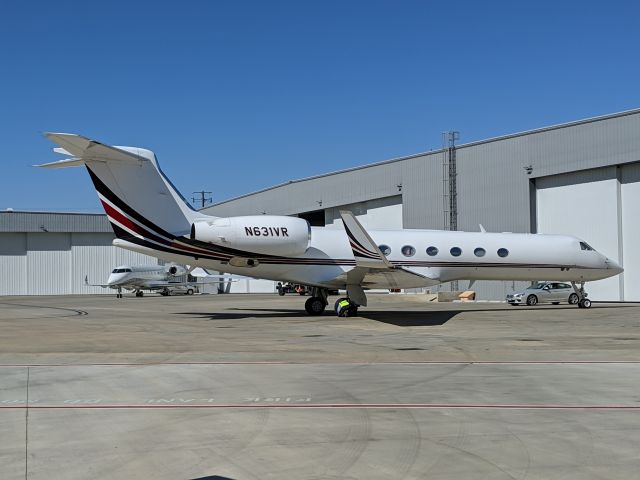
[(544, 292)]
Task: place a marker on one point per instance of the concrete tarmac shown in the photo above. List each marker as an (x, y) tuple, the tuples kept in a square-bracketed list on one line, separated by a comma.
[(250, 387)]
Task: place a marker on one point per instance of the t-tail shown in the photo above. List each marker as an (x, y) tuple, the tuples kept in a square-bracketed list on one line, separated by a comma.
[(138, 198)]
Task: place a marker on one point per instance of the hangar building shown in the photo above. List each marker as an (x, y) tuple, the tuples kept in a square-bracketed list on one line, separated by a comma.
[(580, 178), (51, 253)]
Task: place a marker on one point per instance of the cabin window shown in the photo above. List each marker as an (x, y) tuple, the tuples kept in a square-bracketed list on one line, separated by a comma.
[(585, 246), (408, 251), (432, 251), (456, 251), (479, 252), (503, 252), (385, 249)]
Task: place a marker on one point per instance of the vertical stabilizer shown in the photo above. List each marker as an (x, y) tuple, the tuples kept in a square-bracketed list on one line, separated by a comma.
[(130, 184)]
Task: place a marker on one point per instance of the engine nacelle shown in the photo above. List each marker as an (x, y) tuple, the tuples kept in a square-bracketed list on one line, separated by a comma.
[(266, 234), (176, 270)]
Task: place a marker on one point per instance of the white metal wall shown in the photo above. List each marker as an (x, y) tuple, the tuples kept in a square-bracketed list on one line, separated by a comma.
[(380, 213), (48, 263), (586, 205), (13, 263), (56, 263), (630, 201)]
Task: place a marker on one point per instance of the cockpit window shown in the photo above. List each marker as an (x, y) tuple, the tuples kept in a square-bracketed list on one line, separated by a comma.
[(115, 270), (585, 246), (121, 270)]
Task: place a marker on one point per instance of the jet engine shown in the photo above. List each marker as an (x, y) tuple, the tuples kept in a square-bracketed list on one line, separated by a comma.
[(265, 234), (176, 270)]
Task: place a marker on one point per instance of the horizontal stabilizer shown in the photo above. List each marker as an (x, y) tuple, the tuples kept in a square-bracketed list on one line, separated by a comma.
[(84, 149), (67, 162)]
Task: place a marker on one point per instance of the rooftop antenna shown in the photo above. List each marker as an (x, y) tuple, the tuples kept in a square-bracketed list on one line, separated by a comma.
[(203, 199)]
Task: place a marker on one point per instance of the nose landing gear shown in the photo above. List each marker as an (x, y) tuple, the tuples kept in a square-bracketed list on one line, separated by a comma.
[(583, 301)]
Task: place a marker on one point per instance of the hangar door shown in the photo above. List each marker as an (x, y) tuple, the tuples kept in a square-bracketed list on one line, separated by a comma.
[(585, 204)]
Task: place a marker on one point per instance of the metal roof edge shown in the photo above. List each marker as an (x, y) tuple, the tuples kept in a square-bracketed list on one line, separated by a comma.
[(43, 212), (432, 152)]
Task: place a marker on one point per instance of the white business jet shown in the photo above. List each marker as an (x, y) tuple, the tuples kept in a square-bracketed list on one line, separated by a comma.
[(149, 216), (145, 277)]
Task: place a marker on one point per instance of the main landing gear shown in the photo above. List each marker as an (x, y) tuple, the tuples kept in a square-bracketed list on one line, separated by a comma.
[(139, 293), (316, 304), (583, 301), (345, 307), (119, 294)]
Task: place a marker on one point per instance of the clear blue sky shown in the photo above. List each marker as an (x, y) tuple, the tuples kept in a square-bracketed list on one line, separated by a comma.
[(236, 96)]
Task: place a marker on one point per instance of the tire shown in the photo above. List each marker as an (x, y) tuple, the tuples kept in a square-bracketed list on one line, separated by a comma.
[(514, 304), (314, 306), (532, 300), (190, 291), (555, 303), (281, 292), (585, 303), (335, 306), (573, 299)]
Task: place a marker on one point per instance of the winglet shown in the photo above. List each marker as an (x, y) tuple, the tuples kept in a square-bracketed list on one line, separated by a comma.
[(365, 250), (482, 230)]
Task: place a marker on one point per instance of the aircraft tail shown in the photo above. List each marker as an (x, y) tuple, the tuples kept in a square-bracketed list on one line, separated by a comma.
[(137, 197)]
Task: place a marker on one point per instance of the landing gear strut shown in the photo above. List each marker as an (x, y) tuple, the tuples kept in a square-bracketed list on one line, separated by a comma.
[(318, 301), (583, 301)]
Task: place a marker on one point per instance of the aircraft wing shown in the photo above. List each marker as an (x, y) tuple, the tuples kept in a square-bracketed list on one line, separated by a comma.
[(86, 282), (373, 269), (365, 251), (396, 277), (83, 149)]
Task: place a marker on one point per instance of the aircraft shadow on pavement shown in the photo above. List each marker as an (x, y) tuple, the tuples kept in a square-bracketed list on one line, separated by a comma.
[(245, 313), (213, 477), (410, 319)]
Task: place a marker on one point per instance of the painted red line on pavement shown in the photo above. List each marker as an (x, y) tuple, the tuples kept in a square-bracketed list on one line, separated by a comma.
[(550, 362), (327, 406)]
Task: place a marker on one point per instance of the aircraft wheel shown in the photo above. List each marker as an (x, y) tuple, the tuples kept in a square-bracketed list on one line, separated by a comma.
[(335, 306), (281, 292), (573, 299), (353, 310), (585, 303), (314, 306), (532, 300), (190, 291)]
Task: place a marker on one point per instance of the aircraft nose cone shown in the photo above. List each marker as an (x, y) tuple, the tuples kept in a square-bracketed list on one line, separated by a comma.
[(612, 265)]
